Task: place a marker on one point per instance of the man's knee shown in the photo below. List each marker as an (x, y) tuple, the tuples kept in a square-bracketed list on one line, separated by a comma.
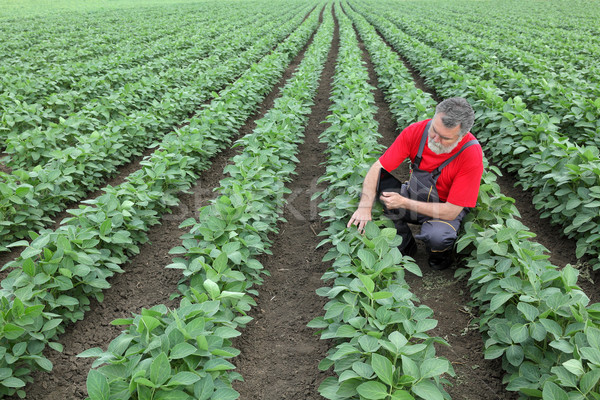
[(438, 235)]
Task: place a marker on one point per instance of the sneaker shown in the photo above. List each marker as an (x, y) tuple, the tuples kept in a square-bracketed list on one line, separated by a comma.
[(440, 260), (410, 248)]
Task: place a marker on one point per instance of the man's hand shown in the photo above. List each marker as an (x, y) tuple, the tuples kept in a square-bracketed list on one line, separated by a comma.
[(360, 218), (392, 200)]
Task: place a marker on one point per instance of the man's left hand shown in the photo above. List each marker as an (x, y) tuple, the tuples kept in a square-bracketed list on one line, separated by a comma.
[(392, 200)]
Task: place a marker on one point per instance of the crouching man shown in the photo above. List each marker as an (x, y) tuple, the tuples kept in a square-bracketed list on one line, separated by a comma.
[(446, 169)]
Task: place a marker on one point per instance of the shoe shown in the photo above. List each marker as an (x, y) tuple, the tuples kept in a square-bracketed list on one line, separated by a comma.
[(410, 248), (440, 260)]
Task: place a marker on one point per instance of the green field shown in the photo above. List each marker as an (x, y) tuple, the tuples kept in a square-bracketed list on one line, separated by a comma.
[(112, 111)]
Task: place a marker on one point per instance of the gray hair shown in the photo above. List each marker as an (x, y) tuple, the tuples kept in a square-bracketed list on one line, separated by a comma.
[(456, 110)]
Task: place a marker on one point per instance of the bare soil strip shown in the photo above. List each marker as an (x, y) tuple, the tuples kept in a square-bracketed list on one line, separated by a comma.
[(279, 353), (145, 282), (476, 378)]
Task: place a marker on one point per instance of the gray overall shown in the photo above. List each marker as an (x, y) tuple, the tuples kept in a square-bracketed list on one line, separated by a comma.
[(439, 235)]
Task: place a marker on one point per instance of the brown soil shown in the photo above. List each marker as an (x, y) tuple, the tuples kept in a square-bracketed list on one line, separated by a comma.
[(279, 354)]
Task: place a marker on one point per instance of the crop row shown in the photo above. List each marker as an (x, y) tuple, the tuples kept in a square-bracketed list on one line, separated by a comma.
[(564, 177), (182, 353), (69, 121), (29, 198), (533, 315), (382, 349), (531, 53), (52, 281), (564, 39), (30, 45), (571, 107)]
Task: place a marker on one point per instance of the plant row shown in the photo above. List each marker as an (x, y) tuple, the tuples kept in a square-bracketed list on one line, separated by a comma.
[(382, 349), (67, 72), (29, 198), (508, 49), (573, 48), (52, 281), (182, 353), (564, 177), (136, 92), (571, 108), (40, 97), (532, 315)]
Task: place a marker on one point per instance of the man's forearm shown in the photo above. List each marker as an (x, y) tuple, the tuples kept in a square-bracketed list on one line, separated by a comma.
[(369, 192), (444, 211)]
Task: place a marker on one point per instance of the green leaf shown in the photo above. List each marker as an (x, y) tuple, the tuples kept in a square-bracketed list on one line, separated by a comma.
[(226, 332), (106, 227), (402, 395), (217, 364), (589, 380), (184, 378), (529, 312), (519, 333), (515, 355), (412, 268), (369, 343), (149, 322), (12, 331), (409, 367), (427, 390), (160, 370), (383, 368), (97, 386), (30, 252), (44, 363), (182, 350), (372, 390), (13, 382), (225, 394), (212, 288), (553, 392), (574, 366), (499, 299), (367, 257), (590, 354), (368, 282), (433, 367), (363, 369)]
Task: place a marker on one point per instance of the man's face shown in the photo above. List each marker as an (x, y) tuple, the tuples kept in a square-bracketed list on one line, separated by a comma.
[(441, 139)]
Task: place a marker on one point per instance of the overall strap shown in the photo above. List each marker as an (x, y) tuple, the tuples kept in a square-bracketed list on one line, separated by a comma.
[(422, 145), (436, 172)]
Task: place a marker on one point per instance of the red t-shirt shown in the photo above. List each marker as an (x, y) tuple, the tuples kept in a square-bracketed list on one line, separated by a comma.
[(459, 181)]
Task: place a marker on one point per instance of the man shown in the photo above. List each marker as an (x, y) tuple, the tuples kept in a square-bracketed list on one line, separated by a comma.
[(446, 169)]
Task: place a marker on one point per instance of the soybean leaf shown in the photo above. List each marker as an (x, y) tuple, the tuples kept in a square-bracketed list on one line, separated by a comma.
[(427, 390), (553, 392), (383, 368), (372, 390), (97, 386)]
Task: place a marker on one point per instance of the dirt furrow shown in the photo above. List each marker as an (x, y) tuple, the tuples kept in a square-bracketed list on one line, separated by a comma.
[(476, 378), (145, 282), (279, 353)]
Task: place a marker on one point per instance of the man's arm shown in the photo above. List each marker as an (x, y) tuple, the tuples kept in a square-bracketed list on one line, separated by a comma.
[(362, 215), (447, 211)]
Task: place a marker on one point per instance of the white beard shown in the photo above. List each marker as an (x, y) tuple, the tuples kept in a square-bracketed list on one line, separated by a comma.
[(438, 148)]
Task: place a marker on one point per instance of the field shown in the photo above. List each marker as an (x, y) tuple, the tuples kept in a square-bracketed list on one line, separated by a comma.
[(176, 178)]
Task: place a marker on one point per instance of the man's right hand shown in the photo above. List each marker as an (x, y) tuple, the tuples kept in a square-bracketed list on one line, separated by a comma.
[(360, 218)]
